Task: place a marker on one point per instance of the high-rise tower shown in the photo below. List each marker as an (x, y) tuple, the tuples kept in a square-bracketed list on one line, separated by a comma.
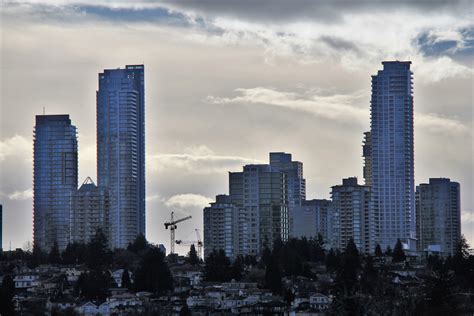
[(296, 184), (121, 150), (438, 216), (392, 153), (54, 179)]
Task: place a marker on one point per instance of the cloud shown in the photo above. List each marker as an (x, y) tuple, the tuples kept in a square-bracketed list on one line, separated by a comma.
[(275, 11), (435, 123), (467, 218), (21, 195), (16, 146), (188, 200), (334, 107), (197, 160)]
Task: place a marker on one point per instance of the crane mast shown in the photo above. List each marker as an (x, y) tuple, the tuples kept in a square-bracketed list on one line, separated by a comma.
[(172, 226)]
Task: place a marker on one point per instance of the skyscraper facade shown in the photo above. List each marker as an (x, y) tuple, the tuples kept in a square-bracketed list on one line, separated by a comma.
[(392, 154), (296, 184), (313, 218), (353, 216), (367, 154), (438, 216), (90, 211), (54, 179), (261, 194), (221, 227), (121, 150)]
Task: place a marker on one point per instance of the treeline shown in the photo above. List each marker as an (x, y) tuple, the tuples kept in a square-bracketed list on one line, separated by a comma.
[(362, 284), (145, 261)]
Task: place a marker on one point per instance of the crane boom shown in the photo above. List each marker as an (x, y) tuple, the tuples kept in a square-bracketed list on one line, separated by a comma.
[(172, 226)]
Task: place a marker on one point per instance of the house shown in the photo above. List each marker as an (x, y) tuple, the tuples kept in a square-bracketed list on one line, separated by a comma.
[(117, 276), (26, 280), (91, 309), (319, 301)]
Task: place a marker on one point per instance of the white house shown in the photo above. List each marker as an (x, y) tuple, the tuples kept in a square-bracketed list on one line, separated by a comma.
[(26, 281)]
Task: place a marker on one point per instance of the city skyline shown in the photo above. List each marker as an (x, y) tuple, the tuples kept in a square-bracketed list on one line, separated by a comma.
[(199, 126)]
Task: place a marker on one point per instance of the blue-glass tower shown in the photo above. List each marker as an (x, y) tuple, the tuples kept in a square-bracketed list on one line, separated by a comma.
[(54, 179), (121, 150), (392, 156)]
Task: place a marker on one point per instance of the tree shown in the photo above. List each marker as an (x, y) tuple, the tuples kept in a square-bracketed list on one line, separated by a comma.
[(388, 251), (378, 251), (75, 253), (153, 274), (185, 311), (332, 260), (217, 267), (126, 283), (39, 256), (347, 273), (7, 291), (237, 268), (398, 252), (54, 257), (94, 285), (192, 256), (140, 244), (273, 277), (98, 253)]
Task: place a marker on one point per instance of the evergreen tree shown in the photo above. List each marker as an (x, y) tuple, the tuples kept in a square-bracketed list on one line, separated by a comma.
[(153, 275), (75, 253), (237, 268), (388, 251), (94, 285), (332, 260), (347, 273), (7, 291), (185, 311), (54, 257), (39, 256), (98, 254), (273, 277), (192, 255), (140, 244), (398, 252), (126, 283), (378, 251), (217, 267)]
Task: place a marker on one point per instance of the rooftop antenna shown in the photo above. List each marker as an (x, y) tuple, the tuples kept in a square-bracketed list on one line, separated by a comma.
[(44, 111)]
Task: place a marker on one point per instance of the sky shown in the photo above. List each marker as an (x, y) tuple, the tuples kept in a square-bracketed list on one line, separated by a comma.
[(229, 81)]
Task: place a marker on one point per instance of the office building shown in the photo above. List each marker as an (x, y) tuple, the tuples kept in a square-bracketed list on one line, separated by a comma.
[(54, 179), (121, 150), (296, 184), (438, 216), (311, 218), (89, 212), (391, 139), (221, 227), (352, 217), (261, 194)]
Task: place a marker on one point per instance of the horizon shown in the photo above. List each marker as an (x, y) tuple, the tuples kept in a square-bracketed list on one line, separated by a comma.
[(225, 87)]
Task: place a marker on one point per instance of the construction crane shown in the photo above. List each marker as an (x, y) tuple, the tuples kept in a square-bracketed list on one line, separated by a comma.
[(193, 242), (172, 226)]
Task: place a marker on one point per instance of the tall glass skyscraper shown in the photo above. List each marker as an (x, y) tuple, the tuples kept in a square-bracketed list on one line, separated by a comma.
[(54, 179), (121, 150), (392, 154)]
